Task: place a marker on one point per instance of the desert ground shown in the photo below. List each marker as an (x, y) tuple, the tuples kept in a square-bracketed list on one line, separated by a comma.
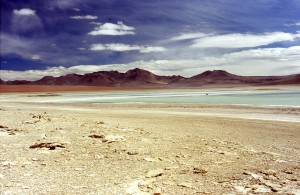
[(52, 148)]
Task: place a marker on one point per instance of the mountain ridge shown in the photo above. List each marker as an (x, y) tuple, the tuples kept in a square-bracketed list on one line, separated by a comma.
[(142, 78)]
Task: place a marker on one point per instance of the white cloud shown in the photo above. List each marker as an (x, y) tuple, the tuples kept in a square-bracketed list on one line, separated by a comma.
[(35, 57), (243, 40), (76, 9), (282, 54), (148, 49), (24, 12), (293, 24), (25, 20), (122, 47), (17, 45), (187, 36), (87, 17), (260, 62), (113, 29)]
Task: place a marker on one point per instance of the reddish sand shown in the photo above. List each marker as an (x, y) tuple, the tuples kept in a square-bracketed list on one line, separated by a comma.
[(52, 88)]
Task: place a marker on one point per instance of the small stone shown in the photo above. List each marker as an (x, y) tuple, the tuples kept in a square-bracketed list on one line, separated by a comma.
[(155, 173), (269, 172), (272, 186), (199, 171), (186, 185), (157, 191), (78, 169), (96, 136), (148, 159), (113, 138), (8, 164), (133, 188), (132, 152), (147, 182), (288, 172), (34, 159), (25, 187)]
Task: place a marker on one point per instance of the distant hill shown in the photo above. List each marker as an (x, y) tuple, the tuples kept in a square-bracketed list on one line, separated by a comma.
[(143, 78)]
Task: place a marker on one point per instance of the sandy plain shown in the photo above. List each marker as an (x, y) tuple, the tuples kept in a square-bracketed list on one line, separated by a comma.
[(51, 148)]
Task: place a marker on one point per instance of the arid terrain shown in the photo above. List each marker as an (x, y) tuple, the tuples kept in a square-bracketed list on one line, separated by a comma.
[(49, 148)]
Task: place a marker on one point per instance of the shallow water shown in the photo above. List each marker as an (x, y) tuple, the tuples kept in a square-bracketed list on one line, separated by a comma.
[(291, 98)]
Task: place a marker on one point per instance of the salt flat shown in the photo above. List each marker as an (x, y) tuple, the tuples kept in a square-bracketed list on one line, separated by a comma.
[(147, 148)]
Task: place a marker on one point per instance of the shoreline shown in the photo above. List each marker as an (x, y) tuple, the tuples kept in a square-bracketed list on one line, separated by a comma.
[(9, 89)]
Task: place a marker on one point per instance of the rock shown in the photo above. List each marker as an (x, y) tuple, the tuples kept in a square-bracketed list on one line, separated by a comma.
[(25, 187), (199, 171), (100, 122), (132, 152), (30, 122), (254, 175), (260, 189), (2, 127), (51, 146), (157, 191), (148, 159), (113, 138), (78, 169), (134, 187), (186, 185), (241, 189), (270, 172), (34, 159), (147, 182), (272, 186), (155, 173), (97, 136), (227, 153), (288, 172), (8, 164)]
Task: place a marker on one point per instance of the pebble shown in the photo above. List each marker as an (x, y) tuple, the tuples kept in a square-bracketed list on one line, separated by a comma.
[(132, 152), (34, 159), (148, 159), (155, 173), (134, 187), (8, 164), (147, 182), (185, 184)]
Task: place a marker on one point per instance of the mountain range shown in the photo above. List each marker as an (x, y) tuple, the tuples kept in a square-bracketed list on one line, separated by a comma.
[(143, 78)]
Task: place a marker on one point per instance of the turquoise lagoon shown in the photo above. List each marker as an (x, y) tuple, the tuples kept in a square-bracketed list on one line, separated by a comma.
[(287, 98)]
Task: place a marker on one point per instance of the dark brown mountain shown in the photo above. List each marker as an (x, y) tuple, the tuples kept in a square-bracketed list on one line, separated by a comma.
[(18, 82), (143, 78), (2, 82), (140, 76), (213, 77)]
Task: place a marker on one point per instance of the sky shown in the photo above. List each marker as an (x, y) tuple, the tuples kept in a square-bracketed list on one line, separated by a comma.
[(167, 37)]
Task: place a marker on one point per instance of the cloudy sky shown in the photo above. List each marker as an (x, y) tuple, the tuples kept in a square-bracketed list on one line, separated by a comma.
[(186, 37)]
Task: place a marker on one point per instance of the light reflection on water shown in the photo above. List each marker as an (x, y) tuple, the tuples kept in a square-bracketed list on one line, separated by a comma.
[(240, 98)]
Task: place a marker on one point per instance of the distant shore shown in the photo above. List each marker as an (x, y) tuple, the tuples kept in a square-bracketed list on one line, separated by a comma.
[(70, 88)]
